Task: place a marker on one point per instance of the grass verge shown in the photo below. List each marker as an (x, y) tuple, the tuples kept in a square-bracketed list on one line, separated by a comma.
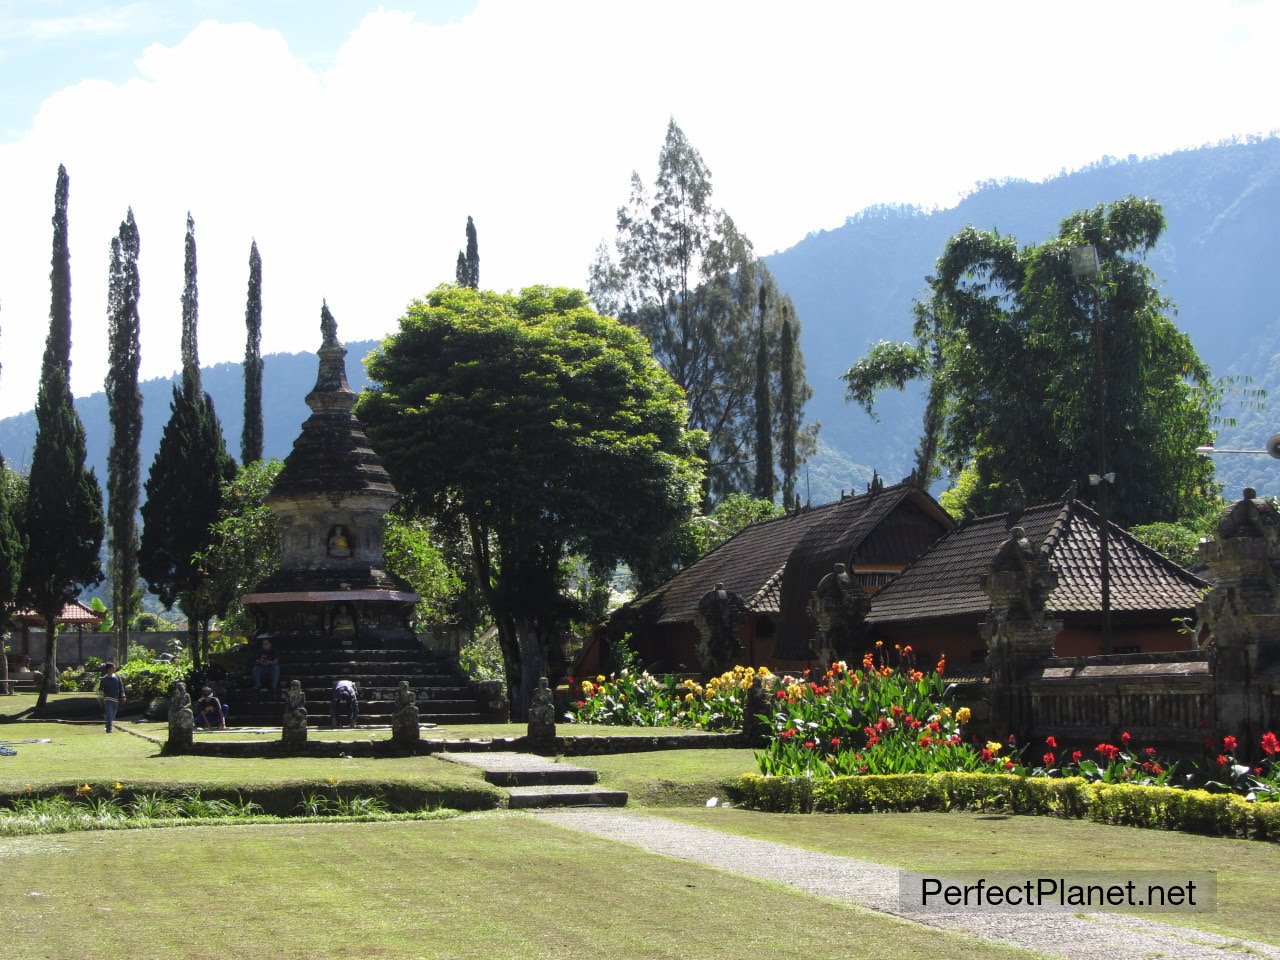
[(1248, 882), (477, 887), (666, 778)]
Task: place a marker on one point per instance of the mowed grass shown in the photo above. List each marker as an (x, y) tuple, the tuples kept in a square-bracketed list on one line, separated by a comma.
[(670, 778), (505, 885), (1248, 871), (86, 754)]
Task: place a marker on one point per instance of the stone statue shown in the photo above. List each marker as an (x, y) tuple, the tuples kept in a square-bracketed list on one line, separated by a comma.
[(339, 542), (1019, 580), (328, 325), (293, 730), (404, 722), (719, 615), (839, 606), (182, 721), (1249, 516), (542, 716), (757, 713)]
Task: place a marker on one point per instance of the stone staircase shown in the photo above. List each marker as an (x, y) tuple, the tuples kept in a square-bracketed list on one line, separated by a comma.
[(445, 694), (532, 781)]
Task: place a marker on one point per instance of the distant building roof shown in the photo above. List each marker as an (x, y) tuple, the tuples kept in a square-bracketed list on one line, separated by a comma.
[(760, 562), (944, 582), (73, 612)]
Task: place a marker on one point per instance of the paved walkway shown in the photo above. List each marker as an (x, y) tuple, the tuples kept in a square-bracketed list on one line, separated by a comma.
[(1092, 936)]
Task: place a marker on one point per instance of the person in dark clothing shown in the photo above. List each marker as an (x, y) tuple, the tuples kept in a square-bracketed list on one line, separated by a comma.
[(112, 688), (210, 712), (344, 701), (266, 667)]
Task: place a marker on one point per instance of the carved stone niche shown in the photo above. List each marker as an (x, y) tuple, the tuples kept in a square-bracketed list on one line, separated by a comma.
[(719, 616), (839, 605)]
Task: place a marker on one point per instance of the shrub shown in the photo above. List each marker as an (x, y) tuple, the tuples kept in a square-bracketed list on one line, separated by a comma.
[(144, 680)]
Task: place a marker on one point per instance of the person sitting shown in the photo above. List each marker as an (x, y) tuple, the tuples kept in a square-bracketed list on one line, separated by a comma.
[(210, 712), (344, 702), (266, 667)]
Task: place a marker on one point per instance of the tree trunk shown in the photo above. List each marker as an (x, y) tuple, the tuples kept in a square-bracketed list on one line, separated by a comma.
[(193, 642), (50, 683), (5, 688)]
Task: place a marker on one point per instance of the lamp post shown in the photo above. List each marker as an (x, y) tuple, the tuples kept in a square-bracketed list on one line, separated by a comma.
[(1085, 266)]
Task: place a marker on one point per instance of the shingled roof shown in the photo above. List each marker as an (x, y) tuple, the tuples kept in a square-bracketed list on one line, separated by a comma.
[(944, 582), (760, 562)]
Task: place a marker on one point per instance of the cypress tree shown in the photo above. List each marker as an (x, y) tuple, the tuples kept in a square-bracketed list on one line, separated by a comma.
[(251, 435), (57, 347), (64, 522), (787, 405), (467, 271), (190, 310), (764, 486), (124, 406), (184, 487)]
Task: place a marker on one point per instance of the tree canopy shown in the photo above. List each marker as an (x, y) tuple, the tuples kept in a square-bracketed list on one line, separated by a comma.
[(688, 280), (537, 429), (1005, 341)]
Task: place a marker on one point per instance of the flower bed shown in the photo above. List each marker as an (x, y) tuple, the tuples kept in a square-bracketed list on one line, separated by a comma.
[(639, 699)]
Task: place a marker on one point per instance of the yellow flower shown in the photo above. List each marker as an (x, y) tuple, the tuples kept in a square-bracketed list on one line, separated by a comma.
[(600, 679), (586, 688), (333, 782), (84, 789), (117, 786), (946, 711), (963, 714), (994, 746)]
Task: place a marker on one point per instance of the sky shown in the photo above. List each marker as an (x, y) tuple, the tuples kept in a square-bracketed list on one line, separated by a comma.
[(353, 139)]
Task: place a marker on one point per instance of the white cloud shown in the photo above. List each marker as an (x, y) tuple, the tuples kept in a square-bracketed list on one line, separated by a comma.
[(357, 180)]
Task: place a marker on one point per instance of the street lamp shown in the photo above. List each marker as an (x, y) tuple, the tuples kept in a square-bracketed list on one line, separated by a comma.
[(1085, 266)]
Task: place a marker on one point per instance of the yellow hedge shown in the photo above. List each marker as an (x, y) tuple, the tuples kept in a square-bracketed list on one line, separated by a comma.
[(1192, 811)]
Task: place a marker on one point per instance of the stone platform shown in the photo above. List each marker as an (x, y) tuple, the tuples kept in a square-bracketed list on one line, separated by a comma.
[(533, 781)]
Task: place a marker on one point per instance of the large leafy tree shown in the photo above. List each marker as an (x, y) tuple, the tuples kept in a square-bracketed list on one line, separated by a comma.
[(124, 406), (539, 430), (764, 482), (13, 547), (251, 434), (688, 280), (184, 487), (1006, 341), (63, 523)]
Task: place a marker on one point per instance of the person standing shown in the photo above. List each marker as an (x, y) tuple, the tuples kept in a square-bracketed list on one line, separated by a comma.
[(112, 688)]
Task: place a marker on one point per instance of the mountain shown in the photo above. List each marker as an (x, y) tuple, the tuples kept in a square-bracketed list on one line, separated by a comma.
[(855, 285), (286, 379)]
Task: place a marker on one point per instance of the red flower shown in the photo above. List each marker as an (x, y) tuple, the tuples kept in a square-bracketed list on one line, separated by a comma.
[(906, 651), (897, 710), (1270, 744), (1151, 751), (788, 734), (1051, 742), (1125, 738), (987, 755), (1222, 760), (1229, 744), (835, 741), (581, 704), (926, 741), (781, 695), (1012, 738), (1076, 756), (1008, 764), (1257, 770), (1048, 759), (1107, 750), (809, 744), (935, 726)]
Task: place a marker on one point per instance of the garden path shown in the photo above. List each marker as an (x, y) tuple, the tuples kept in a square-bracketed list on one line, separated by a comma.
[(1087, 936)]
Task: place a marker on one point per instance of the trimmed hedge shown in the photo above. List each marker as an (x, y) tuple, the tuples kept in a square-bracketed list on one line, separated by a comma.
[(1163, 808)]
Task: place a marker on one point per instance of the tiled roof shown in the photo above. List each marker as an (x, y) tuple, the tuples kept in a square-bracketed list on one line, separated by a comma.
[(752, 563), (945, 581), (73, 612)]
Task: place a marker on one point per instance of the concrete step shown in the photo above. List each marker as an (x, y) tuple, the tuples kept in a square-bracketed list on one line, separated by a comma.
[(566, 795), (569, 775)]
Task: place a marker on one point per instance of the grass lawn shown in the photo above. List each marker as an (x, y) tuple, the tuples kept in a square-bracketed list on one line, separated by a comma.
[(666, 778), (80, 754), (485, 886), (1248, 870)]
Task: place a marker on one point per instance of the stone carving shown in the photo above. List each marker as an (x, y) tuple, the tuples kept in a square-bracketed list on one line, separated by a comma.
[(1019, 580), (182, 720), (293, 730), (840, 607), (542, 716), (404, 722), (720, 613), (1249, 516), (757, 713)]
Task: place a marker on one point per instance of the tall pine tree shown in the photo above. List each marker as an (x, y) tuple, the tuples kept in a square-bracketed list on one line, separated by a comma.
[(764, 487), (63, 524), (184, 488), (12, 549), (124, 406), (251, 434), (788, 459), (468, 269)]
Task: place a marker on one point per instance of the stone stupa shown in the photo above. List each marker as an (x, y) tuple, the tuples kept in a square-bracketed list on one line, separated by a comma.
[(331, 500)]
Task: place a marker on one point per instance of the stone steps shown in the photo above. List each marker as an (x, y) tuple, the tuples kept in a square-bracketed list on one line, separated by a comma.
[(532, 782)]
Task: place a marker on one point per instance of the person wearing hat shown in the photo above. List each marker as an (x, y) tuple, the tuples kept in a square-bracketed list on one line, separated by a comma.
[(112, 689), (209, 711)]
